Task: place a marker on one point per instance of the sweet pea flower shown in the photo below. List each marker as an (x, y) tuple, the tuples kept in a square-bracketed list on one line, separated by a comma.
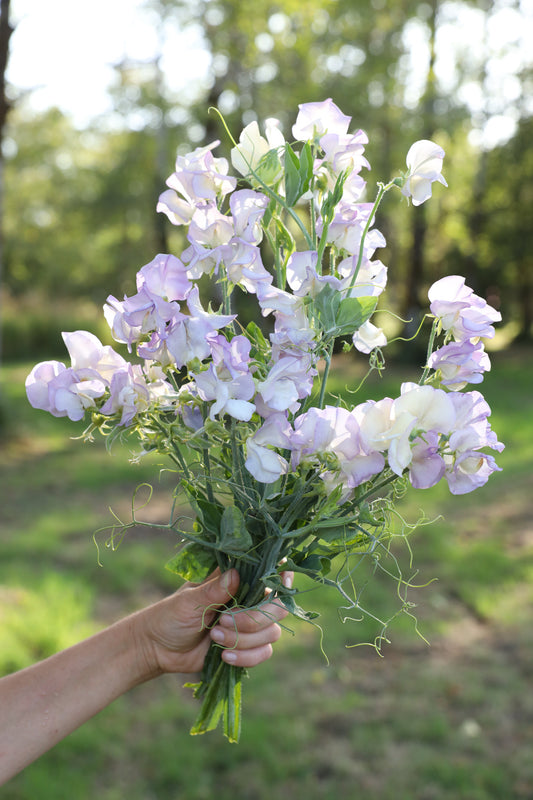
[(316, 431), (230, 395), (244, 266), (289, 380), (467, 468), (344, 152), (252, 147), (199, 179), (271, 299), (462, 314), (264, 464), (368, 337), (427, 465), (129, 394), (460, 363), (186, 339), (371, 278), (87, 352), (144, 313), (247, 209), (62, 391), (228, 380), (424, 162), (302, 275), (346, 229), (164, 277), (209, 227), (38, 382), (316, 119)]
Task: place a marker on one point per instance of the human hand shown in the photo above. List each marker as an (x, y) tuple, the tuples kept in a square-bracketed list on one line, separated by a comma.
[(174, 634)]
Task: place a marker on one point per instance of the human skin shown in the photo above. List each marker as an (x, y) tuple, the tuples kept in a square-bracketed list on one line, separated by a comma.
[(45, 702)]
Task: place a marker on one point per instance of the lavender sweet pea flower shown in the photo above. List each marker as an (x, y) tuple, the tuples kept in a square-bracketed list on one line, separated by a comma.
[(467, 468), (460, 363), (316, 431), (244, 266), (129, 394), (316, 119), (209, 227), (87, 352), (199, 178), (289, 380), (263, 463), (38, 382), (186, 339), (303, 277), (462, 313), (424, 162), (427, 464), (230, 395), (133, 318), (164, 277), (346, 230), (345, 151), (64, 392), (228, 381), (247, 209)]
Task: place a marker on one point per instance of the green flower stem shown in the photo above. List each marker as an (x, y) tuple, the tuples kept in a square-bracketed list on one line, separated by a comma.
[(431, 342), (325, 375), (383, 189)]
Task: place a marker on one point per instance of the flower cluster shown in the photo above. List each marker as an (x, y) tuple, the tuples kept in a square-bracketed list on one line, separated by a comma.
[(272, 471)]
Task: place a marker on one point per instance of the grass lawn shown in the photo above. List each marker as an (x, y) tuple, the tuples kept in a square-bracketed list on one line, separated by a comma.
[(446, 719)]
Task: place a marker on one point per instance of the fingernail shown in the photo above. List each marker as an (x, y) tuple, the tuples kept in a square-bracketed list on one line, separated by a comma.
[(225, 580), (227, 619), (230, 656), (287, 581), (218, 635)]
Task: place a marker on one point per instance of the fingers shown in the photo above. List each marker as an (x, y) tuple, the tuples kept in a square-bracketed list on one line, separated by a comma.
[(247, 635)]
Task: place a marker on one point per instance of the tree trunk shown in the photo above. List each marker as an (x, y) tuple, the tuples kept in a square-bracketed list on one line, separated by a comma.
[(416, 264), (5, 33)]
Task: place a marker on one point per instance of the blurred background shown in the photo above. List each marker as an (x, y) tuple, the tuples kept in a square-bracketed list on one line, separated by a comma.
[(95, 101)]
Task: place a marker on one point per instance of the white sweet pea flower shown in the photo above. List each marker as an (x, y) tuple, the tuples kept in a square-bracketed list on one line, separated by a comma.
[(424, 161), (368, 337), (316, 119), (264, 464), (252, 146)]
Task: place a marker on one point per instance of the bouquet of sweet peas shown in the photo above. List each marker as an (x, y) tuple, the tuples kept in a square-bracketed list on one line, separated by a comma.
[(278, 478)]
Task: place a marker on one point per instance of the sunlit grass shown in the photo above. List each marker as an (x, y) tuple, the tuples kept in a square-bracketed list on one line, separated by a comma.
[(447, 720)]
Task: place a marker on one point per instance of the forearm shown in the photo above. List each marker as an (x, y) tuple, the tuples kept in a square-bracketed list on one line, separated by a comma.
[(42, 704)]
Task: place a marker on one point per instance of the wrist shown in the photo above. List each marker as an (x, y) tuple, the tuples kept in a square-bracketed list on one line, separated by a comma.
[(144, 661)]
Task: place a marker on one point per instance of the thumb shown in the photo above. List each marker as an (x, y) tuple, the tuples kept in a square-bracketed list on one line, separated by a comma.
[(217, 591)]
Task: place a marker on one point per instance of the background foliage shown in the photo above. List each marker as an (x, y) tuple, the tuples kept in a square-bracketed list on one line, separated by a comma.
[(80, 205)]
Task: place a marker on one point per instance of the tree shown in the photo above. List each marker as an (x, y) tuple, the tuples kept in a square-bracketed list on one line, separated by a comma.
[(5, 34)]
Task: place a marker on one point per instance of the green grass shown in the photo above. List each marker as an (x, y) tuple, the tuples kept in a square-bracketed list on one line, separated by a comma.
[(448, 720)]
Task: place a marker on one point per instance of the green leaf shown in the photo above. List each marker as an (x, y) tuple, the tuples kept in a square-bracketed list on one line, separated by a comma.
[(327, 306), (353, 312), (291, 606), (306, 167), (292, 176), (234, 537), (194, 562), (269, 168), (313, 565)]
